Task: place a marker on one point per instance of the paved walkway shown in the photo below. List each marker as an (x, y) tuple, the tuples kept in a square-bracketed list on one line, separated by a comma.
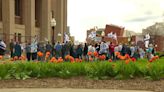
[(64, 90)]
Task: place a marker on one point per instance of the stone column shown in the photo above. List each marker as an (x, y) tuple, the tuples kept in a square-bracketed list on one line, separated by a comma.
[(65, 16), (0, 10), (8, 17), (29, 16), (45, 20), (59, 20)]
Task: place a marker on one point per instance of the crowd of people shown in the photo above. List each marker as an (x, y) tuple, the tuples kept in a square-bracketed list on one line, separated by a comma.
[(80, 51)]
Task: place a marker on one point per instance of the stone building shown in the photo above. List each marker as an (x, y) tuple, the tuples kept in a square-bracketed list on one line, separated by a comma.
[(23, 19)]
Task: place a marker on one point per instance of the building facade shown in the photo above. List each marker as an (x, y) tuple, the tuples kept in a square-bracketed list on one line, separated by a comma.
[(115, 29), (23, 19)]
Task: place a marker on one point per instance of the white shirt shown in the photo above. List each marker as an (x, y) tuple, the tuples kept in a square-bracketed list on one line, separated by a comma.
[(2, 45), (91, 48)]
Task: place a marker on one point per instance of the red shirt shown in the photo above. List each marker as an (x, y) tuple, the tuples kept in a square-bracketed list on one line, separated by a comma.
[(111, 48)]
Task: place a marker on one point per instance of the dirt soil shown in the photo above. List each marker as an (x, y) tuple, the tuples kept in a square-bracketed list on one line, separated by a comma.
[(82, 82)]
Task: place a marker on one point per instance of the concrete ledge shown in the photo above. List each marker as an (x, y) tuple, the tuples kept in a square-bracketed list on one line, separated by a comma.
[(65, 90)]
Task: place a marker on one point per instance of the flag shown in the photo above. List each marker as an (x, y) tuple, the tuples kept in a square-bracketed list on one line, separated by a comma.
[(92, 35), (115, 36), (110, 35), (146, 39), (66, 38)]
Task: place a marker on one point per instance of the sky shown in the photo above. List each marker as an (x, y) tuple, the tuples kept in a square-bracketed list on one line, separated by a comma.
[(134, 15)]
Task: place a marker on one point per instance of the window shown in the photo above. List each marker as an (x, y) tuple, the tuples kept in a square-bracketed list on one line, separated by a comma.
[(17, 7)]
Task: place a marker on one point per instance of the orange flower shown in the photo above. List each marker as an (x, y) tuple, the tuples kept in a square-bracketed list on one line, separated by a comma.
[(127, 56), (60, 60), (80, 60), (119, 56), (133, 59), (127, 61), (72, 61), (154, 58), (76, 59), (48, 53), (40, 54), (90, 59), (122, 57), (12, 59), (110, 60), (1, 57), (20, 58), (89, 53), (67, 57), (157, 57), (53, 59), (150, 60), (102, 57), (47, 56), (95, 54), (117, 53), (16, 58)]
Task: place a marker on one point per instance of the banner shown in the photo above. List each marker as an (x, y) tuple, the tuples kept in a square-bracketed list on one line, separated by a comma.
[(66, 38)]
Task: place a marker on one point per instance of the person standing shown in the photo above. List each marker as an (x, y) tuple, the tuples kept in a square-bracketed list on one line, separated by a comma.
[(79, 52), (149, 52), (58, 49), (2, 47), (85, 51), (97, 46), (111, 51), (103, 48), (28, 51), (34, 48), (11, 48), (65, 49), (17, 50), (49, 48)]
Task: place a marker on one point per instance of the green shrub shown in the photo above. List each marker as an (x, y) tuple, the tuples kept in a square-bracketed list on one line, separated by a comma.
[(95, 70)]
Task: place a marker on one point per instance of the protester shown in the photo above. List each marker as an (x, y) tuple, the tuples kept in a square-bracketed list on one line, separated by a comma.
[(149, 52), (12, 48), (103, 48), (34, 49), (58, 49), (111, 51), (85, 51), (79, 51), (91, 48), (141, 53), (49, 48), (2, 47), (28, 51), (97, 46), (17, 50)]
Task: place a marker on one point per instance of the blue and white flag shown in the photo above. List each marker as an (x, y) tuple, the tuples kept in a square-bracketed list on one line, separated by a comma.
[(66, 38), (115, 36), (92, 35), (110, 35)]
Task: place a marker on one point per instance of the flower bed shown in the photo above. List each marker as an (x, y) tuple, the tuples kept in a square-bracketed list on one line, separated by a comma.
[(92, 69)]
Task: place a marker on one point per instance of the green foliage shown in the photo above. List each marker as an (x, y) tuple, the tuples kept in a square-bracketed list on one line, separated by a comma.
[(95, 70)]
